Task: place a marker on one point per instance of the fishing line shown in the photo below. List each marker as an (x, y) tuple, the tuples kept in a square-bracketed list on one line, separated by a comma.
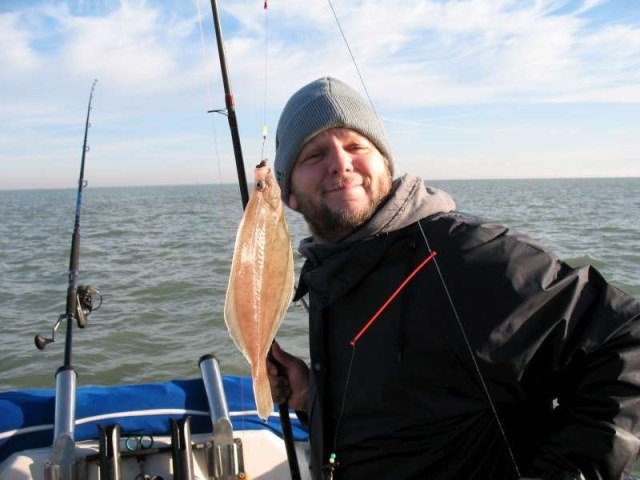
[(223, 195), (265, 7), (472, 354), (355, 64), (208, 83), (332, 458), (266, 64), (353, 58)]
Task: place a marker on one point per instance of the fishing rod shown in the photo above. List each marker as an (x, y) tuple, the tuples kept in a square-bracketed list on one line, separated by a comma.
[(230, 110), (78, 307), (283, 409)]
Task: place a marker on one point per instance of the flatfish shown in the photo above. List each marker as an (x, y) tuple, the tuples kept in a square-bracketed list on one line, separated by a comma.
[(261, 281)]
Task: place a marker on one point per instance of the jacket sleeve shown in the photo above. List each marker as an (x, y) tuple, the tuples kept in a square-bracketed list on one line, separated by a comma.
[(574, 339), (595, 379)]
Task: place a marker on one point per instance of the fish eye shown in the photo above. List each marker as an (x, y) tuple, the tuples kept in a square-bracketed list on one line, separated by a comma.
[(259, 185)]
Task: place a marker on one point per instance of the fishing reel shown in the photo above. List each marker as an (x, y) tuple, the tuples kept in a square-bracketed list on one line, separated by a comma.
[(85, 304)]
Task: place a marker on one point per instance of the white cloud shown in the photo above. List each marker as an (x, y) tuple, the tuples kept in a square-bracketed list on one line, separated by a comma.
[(15, 55), (449, 52), (417, 56), (131, 47), (434, 52)]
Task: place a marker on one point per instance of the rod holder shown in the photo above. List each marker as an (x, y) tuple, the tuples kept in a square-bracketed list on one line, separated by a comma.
[(63, 450), (212, 379), (181, 451), (65, 406), (110, 468)]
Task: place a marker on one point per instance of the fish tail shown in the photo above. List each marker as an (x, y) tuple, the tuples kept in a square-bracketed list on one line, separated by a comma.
[(262, 393)]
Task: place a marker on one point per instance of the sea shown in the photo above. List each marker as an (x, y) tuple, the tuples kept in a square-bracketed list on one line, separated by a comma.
[(160, 258)]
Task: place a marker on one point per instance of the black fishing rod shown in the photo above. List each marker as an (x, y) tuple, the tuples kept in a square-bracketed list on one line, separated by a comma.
[(283, 409), (230, 110), (79, 305)]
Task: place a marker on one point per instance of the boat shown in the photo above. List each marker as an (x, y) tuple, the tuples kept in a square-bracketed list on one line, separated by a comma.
[(184, 429), (206, 428)]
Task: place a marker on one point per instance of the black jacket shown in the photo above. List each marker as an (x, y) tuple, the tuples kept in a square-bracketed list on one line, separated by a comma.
[(558, 349)]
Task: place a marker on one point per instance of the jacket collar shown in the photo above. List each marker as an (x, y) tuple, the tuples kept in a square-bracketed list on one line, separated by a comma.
[(408, 202), (324, 270)]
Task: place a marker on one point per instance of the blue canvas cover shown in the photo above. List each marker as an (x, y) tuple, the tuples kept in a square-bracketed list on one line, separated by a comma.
[(26, 416)]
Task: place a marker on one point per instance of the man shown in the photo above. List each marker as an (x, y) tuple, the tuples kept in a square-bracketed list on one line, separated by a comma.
[(490, 360)]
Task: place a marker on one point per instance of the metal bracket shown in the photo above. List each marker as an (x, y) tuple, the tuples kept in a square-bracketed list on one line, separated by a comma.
[(225, 458), (62, 463), (221, 111), (51, 472)]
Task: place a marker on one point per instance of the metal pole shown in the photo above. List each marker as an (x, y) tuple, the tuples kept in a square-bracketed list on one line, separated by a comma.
[(212, 380)]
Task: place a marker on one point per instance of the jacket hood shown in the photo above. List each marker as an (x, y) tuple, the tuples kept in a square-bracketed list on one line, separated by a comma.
[(409, 201)]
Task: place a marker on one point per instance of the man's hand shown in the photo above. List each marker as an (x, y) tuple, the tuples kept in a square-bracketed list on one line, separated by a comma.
[(291, 384)]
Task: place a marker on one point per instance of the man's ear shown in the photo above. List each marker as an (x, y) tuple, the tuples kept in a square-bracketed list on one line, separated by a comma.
[(293, 203)]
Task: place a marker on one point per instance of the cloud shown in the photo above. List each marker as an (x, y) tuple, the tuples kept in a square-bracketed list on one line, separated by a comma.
[(145, 58), (134, 46), (158, 75), (436, 52), (433, 52), (15, 55)]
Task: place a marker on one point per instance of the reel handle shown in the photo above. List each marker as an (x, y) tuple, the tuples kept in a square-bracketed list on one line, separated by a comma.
[(42, 342)]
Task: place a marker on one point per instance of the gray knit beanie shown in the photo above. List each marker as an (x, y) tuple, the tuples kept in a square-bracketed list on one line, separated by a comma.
[(320, 105)]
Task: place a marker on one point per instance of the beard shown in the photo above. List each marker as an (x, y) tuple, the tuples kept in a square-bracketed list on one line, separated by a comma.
[(328, 225)]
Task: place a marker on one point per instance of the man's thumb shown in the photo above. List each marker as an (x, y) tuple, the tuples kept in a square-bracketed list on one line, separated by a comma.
[(280, 355)]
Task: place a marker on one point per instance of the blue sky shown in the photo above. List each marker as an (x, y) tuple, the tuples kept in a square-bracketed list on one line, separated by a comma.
[(466, 88)]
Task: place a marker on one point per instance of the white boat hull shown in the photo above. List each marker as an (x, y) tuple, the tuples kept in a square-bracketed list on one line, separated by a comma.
[(265, 458)]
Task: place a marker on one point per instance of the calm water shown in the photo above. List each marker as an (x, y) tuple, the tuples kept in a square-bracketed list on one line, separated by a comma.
[(161, 256)]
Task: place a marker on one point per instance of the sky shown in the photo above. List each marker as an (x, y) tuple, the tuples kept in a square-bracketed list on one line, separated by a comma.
[(466, 88)]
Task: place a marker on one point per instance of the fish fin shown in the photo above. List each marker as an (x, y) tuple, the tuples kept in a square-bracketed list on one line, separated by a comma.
[(262, 392), (230, 317)]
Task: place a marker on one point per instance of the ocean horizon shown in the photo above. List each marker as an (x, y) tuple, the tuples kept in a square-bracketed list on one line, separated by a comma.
[(235, 183)]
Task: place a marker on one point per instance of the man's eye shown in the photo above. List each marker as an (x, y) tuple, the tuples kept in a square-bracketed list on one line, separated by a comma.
[(357, 148), (312, 157)]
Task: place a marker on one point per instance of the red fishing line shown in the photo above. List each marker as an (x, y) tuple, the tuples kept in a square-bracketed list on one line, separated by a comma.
[(391, 297)]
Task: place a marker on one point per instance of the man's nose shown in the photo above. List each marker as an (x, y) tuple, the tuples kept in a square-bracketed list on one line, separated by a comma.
[(339, 161)]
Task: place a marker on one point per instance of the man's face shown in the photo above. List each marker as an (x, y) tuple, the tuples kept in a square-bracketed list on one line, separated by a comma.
[(337, 183)]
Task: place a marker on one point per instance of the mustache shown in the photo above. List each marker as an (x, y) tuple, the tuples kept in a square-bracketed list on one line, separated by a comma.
[(346, 181)]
